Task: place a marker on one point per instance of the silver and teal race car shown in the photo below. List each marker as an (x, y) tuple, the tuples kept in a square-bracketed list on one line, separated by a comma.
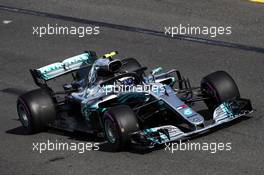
[(116, 98)]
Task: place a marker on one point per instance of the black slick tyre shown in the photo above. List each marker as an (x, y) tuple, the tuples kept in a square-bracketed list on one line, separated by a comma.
[(119, 122), (36, 109)]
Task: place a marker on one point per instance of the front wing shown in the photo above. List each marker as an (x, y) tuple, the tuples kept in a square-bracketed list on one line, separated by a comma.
[(224, 113)]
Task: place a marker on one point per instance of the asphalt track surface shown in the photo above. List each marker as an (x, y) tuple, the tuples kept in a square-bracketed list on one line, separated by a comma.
[(20, 50)]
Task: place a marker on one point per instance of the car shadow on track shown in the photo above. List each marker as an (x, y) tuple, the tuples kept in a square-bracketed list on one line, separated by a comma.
[(18, 131), (13, 91), (78, 136)]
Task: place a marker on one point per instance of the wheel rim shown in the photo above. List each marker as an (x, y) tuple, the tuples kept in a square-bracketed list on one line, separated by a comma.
[(213, 101), (110, 131), (23, 115)]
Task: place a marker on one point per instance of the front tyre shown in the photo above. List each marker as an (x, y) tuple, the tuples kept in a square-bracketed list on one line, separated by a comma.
[(219, 87), (35, 110), (119, 122)]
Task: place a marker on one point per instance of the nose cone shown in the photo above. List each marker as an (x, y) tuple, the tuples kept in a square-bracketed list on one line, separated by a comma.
[(190, 115), (196, 119)]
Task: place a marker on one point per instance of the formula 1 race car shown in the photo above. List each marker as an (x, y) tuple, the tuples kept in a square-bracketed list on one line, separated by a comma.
[(117, 99)]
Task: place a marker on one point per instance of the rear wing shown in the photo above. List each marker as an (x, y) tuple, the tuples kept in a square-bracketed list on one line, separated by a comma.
[(51, 71)]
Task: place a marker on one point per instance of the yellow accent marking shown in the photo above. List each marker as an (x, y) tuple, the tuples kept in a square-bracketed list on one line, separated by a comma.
[(259, 1), (111, 54)]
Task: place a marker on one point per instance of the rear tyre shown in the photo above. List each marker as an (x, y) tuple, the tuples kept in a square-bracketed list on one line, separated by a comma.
[(219, 87), (119, 122), (35, 110)]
